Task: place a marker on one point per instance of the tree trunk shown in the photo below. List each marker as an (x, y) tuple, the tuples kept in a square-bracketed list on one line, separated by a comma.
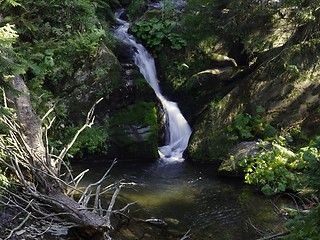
[(30, 123), (43, 189)]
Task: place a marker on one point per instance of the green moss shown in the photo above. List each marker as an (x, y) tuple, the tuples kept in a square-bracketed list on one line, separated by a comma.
[(210, 140), (134, 130)]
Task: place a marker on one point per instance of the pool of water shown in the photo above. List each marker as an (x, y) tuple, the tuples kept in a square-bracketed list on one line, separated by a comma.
[(189, 196)]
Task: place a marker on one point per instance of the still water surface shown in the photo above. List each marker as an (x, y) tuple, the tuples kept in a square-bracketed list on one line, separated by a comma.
[(189, 196)]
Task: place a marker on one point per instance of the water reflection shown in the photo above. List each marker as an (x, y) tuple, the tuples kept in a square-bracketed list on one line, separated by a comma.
[(189, 196)]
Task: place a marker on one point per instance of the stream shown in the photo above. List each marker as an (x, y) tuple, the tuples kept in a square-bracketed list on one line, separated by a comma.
[(184, 195), (188, 196)]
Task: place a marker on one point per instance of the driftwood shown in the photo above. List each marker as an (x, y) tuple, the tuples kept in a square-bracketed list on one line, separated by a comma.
[(41, 192)]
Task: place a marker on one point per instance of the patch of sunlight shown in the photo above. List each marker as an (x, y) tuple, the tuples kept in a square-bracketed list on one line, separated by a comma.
[(159, 197), (210, 45)]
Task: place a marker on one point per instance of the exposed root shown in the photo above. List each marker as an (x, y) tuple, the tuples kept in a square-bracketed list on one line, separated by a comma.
[(41, 193)]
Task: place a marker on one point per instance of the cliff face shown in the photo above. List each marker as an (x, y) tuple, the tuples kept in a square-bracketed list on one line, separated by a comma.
[(289, 93)]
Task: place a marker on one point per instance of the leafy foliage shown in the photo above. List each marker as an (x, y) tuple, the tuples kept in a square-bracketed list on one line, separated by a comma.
[(156, 31), (92, 141), (279, 168), (304, 227), (56, 41), (311, 154), (274, 170), (136, 8), (248, 127), (8, 36)]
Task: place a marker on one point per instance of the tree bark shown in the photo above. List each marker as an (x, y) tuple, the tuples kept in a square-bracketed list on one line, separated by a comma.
[(29, 122), (44, 190)]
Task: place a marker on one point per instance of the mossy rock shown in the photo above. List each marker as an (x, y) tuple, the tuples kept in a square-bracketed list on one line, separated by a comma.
[(210, 140), (288, 88), (133, 132), (230, 166), (95, 80)]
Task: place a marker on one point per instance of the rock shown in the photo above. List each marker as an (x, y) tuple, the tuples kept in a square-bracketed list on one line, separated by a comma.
[(156, 222), (133, 132), (91, 82), (289, 97), (230, 166), (200, 89)]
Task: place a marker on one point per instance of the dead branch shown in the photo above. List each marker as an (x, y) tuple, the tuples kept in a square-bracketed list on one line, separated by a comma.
[(42, 193), (88, 123), (36, 171), (19, 226), (96, 183), (112, 202), (187, 235)]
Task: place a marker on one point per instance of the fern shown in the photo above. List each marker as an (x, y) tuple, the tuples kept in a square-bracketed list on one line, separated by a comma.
[(9, 3)]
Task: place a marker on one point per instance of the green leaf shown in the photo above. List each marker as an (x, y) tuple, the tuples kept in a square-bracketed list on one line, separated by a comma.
[(266, 189), (134, 28), (260, 109), (281, 187), (160, 35)]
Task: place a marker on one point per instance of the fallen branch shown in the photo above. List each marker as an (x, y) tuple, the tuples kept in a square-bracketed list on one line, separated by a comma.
[(19, 226), (187, 235), (44, 195), (274, 236)]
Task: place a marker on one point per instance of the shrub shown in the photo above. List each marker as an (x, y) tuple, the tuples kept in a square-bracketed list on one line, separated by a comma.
[(275, 170), (156, 31), (248, 127)]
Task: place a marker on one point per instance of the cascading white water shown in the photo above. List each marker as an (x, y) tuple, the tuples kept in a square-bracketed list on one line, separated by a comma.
[(178, 129)]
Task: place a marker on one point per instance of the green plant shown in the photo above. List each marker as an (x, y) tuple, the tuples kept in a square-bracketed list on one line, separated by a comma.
[(156, 31), (4, 181), (248, 127), (168, 9), (311, 154), (304, 227), (136, 8), (274, 170), (8, 36), (92, 141)]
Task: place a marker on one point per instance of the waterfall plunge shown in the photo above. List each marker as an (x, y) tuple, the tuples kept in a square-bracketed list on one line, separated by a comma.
[(178, 130)]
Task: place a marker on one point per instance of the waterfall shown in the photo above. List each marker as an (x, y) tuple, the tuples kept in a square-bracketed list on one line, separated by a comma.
[(178, 130)]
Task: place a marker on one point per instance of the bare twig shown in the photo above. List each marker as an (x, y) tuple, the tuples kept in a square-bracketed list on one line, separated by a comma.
[(48, 112), (112, 202), (76, 182), (89, 122), (98, 182), (187, 235), (96, 200)]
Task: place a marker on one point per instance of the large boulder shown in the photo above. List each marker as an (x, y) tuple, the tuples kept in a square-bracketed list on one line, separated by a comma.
[(286, 84), (230, 166)]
